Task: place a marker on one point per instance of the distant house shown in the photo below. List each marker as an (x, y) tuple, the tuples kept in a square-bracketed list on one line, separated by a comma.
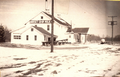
[(78, 35), (38, 30)]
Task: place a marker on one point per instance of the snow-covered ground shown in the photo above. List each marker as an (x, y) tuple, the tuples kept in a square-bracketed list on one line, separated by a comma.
[(80, 60)]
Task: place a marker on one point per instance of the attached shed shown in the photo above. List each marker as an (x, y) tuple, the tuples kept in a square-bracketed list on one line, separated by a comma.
[(32, 35), (79, 34)]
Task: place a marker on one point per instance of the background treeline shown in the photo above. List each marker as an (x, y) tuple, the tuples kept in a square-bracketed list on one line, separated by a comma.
[(116, 38), (95, 38), (5, 35)]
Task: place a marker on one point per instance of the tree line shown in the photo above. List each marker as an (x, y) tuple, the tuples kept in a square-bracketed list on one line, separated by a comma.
[(95, 38), (5, 35)]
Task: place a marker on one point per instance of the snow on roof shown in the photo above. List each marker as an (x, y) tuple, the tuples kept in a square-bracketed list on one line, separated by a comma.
[(80, 30)]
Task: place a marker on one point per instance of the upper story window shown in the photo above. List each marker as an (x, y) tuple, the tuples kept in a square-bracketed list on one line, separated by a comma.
[(41, 17), (35, 37), (48, 27), (69, 36), (27, 37), (31, 29), (35, 25)]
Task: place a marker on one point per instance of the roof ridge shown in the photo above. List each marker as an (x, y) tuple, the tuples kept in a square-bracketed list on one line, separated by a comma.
[(57, 20)]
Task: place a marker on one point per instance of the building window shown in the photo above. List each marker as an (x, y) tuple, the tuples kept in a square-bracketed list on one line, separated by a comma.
[(49, 39), (27, 37), (35, 25), (69, 36), (48, 27), (35, 37), (17, 37), (44, 38), (31, 29), (41, 17)]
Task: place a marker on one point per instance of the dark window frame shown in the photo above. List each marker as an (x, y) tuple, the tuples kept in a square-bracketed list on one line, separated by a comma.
[(35, 37), (41, 17), (27, 37), (17, 37), (48, 27), (32, 29)]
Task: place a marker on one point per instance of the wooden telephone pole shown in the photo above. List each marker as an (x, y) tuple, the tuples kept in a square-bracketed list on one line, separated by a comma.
[(52, 25), (112, 23)]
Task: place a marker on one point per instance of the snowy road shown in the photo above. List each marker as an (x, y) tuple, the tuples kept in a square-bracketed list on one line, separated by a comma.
[(80, 61)]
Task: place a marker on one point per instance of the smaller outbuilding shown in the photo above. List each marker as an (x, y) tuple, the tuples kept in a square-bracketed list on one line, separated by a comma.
[(78, 35)]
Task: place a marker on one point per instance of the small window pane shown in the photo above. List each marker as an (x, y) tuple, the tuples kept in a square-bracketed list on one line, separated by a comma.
[(69, 36), (48, 27), (31, 29), (35, 37), (41, 17), (26, 37), (17, 37)]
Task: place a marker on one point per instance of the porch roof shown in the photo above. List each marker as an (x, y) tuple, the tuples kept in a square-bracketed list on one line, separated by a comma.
[(43, 31)]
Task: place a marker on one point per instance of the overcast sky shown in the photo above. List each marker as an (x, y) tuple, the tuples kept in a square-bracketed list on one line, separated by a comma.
[(81, 13)]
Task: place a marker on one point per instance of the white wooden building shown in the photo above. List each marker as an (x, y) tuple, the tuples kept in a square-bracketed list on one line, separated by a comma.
[(38, 30), (78, 35)]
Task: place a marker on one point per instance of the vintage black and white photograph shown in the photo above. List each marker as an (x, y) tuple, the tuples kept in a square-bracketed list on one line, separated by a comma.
[(59, 38)]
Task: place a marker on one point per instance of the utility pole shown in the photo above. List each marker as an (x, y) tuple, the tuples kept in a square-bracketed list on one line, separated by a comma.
[(52, 26), (112, 23)]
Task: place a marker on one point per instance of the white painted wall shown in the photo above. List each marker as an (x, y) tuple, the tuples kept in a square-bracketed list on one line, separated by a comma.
[(43, 25), (31, 39), (59, 29), (71, 38), (83, 39), (18, 41)]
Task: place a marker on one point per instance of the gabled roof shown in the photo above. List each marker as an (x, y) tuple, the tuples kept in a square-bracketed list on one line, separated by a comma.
[(80, 30), (59, 20), (43, 31), (20, 30), (23, 29)]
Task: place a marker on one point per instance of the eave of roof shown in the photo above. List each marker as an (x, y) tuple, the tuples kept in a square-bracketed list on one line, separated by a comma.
[(43, 31), (80, 30)]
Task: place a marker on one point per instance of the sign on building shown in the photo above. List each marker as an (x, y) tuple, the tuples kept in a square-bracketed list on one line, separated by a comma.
[(40, 21)]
